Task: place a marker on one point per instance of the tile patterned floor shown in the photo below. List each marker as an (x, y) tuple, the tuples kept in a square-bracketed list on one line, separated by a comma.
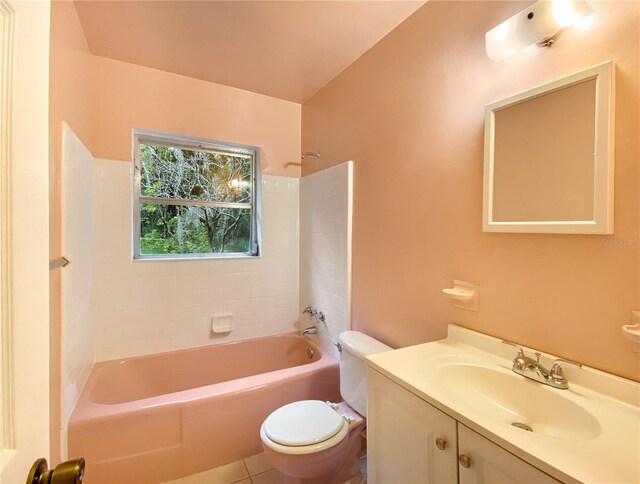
[(252, 470)]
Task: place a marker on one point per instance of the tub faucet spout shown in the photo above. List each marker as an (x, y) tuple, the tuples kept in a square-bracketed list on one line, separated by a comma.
[(309, 330)]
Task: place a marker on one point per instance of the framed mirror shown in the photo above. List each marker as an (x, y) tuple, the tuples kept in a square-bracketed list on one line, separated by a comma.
[(548, 159)]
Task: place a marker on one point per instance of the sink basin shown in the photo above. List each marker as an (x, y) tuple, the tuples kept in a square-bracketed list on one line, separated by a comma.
[(513, 399)]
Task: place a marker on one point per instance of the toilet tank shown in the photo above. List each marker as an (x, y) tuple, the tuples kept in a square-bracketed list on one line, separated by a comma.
[(353, 369)]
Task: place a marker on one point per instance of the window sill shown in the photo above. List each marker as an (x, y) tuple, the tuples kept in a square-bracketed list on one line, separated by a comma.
[(194, 257)]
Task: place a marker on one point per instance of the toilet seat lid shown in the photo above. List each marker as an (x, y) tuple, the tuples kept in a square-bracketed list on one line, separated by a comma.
[(303, 423)]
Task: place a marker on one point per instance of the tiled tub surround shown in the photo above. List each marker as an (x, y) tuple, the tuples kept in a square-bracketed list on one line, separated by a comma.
[(146, 307), (159, 417), (77, 334), (325, 248)]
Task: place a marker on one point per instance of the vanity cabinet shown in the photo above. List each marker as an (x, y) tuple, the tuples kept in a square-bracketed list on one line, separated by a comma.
[(488, 462), (402, 431), (411, 441)]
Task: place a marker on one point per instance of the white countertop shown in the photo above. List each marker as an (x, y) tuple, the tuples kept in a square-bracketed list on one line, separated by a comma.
[(605, 449)]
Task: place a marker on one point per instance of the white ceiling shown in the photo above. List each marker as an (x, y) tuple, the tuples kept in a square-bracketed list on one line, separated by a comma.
[(285, 49)]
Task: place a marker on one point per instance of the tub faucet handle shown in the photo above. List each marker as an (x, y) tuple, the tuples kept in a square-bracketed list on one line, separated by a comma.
[(311, 311), (314, 313)]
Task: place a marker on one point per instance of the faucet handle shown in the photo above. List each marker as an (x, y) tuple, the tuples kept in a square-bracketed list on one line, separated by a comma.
[(556, 369), (520, 352), (520, 361)]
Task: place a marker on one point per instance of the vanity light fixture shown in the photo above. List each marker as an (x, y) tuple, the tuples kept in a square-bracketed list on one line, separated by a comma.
[(540, 24)]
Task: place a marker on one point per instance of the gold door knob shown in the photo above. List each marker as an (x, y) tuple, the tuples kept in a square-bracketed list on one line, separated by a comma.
[(441, 443), (70, 472), (465, 461)]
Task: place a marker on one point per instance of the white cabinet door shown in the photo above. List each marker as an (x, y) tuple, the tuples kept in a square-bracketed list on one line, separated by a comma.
[(491, 464), (401, 437)]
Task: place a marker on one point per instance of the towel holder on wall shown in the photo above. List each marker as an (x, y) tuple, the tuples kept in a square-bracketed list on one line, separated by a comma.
[(58, 262)]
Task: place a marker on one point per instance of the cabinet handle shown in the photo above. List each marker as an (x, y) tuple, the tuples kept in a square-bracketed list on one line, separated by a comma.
[(465, 461), (441, 443)]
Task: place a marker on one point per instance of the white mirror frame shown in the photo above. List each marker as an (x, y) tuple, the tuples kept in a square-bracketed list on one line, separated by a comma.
[(602, 222)]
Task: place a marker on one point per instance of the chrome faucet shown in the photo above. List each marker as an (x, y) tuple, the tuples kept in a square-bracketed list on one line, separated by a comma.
[(314, 313), (309, 330), (534, 370)]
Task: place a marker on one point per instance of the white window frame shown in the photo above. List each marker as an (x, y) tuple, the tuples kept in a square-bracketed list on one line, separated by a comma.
[(196, 144)]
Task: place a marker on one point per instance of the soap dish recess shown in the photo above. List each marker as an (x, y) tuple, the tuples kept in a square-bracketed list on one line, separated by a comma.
[(222, 323), (632, 331), (465, 295), (459, 294)]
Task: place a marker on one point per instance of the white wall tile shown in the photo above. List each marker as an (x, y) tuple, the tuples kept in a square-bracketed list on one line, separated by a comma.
[(325, 258), (167, 305), (77, 332)]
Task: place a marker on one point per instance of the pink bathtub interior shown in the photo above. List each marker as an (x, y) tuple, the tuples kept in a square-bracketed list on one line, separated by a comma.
[(158, 417)]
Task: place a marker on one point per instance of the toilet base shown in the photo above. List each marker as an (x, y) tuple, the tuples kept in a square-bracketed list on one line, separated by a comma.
[(317, 473), (351, 474), (335, 465)]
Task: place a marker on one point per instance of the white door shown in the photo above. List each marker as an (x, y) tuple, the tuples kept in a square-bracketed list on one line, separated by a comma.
[(24, 236)]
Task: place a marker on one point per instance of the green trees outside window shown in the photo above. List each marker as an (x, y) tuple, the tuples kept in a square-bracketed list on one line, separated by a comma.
[(195, 201)]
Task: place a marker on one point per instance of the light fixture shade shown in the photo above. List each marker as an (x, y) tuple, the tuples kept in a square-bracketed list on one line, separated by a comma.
[(538, 22)]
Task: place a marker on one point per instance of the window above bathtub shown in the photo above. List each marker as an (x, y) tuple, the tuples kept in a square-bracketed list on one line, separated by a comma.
[(194, 198)]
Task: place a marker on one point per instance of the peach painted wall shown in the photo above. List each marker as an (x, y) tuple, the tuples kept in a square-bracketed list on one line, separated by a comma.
[(128, 96), (410, 112), (69, 101)]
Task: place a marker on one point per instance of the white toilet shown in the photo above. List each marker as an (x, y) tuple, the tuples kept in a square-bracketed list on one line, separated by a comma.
[(311, 441)]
